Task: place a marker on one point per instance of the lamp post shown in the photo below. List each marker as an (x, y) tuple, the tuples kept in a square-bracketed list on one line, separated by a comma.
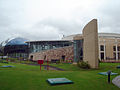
[(109, 72)]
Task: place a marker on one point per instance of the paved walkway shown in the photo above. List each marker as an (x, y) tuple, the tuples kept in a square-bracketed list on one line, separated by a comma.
[(116, 81), (50, 67)]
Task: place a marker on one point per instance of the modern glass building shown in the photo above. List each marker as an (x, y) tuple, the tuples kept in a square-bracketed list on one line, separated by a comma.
[(38, 46), (16, 48), (78, 50)]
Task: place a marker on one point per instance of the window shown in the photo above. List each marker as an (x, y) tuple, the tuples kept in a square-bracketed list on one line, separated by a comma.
[(114, 55), (102, 56), (101, 47), (114, 48), (118, 48), (118, 55), (54, 47), (31, 57), (63, 57), (46, 47)]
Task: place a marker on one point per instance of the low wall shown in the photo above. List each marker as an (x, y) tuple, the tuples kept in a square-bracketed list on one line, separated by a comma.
[(59, 53)]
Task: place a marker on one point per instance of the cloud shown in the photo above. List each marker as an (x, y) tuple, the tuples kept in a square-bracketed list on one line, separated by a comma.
[(109, 17), (50, 19), (62, 25)]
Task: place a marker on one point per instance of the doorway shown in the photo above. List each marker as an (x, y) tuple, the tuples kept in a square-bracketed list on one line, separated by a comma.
[(63, 58)]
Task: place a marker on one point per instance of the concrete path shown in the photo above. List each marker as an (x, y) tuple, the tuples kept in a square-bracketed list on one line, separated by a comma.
[(50, 67), (116, 81)]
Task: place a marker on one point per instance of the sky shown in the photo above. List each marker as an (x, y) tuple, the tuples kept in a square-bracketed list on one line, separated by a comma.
[(51, 19)]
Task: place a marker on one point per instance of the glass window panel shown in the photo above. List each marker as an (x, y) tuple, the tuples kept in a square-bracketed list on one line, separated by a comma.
[(101, 47)]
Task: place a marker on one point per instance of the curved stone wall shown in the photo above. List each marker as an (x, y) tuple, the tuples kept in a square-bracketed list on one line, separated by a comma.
[(67, 52), (90, 44)]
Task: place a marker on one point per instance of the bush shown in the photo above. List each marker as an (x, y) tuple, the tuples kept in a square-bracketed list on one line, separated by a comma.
[(57, 62), (83, 65)]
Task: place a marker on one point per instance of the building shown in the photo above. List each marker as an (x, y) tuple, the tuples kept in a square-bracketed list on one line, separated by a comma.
[(51, 49), (78, 47), (38, 46), (90, 46), (109, 46), (75, 47), (16, 48)]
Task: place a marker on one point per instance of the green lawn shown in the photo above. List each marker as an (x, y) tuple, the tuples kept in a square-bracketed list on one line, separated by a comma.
[(27, 77)]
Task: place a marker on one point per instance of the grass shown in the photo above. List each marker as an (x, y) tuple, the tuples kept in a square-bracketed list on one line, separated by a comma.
[(27, 77)]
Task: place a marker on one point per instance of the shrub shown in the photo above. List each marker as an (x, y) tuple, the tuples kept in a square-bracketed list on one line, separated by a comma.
[(83, 64), (57, 62)]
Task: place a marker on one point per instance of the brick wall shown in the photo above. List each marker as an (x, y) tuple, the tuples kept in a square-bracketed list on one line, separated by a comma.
[(54, 54)]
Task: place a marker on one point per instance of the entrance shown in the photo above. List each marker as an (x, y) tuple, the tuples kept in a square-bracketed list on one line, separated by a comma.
[(102, 56), (31, 58), (63, 58)]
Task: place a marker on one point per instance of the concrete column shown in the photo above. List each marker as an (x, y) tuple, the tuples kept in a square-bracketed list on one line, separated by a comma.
[(104, 51), (116, 49), (90, 44), (99, 52), (34, 48)]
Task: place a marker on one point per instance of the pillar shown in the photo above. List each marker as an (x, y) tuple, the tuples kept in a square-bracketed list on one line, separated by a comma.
[(116, 49), (104, 51), (90, 44)]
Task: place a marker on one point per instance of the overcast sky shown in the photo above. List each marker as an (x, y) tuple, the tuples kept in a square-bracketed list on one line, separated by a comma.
[(50, 19)]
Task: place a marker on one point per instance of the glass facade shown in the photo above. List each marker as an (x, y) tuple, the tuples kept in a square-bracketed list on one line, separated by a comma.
[(16, 51), (16, 48), (46, 45), (78, 50), (17, 55)]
